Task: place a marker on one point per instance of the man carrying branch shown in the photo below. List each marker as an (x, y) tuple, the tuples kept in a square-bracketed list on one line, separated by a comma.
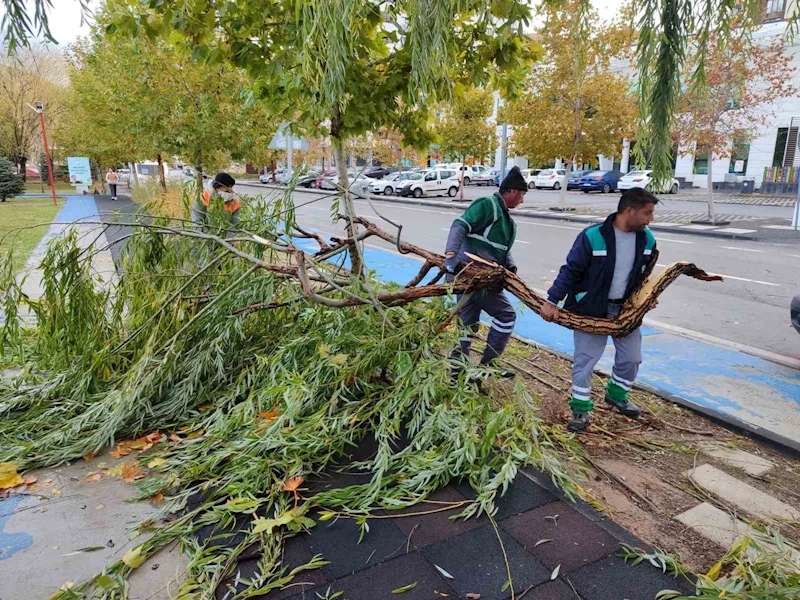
[(487, 230), (607, 263)]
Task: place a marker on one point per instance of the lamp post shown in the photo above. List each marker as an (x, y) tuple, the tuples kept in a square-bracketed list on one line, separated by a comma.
[(39, 108)]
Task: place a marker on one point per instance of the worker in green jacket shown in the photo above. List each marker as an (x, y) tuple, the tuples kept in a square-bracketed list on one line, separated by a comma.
[(487, 230)]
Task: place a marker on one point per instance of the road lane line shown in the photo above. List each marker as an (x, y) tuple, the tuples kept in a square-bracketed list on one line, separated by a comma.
[(734, 277), (742, 249)]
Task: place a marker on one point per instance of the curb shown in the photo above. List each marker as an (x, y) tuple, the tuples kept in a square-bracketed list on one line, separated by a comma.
[(538, 215), (723, 419)]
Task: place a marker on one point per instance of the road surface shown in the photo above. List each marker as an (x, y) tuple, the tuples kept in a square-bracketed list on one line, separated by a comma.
[(750, 307)]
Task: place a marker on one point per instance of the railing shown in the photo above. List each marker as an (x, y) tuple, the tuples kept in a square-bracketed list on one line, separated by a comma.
[(781, 174)]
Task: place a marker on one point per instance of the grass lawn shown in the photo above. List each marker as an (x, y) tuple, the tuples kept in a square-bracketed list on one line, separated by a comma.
[(19, 212), (34, 187)]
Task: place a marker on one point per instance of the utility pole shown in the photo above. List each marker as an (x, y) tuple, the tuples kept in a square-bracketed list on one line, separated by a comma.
[(39, 108)]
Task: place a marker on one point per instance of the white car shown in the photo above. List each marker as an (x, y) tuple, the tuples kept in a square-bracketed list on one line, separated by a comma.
[(530, 177), (549, 178), (357, 183), (392, 183), (436, 182), (641, 179), (477, 174)]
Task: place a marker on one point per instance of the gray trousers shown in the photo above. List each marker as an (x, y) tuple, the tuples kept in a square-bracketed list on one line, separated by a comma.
[(589, 349), (494, 302)]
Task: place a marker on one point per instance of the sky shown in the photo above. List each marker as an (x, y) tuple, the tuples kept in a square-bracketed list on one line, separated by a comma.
[(65, 17)]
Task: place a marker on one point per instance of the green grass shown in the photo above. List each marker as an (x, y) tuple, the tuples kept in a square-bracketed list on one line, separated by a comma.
[(20, 212), (34, 187)]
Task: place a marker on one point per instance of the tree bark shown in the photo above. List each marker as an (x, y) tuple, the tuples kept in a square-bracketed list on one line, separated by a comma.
[(198, 178), (23, 168), (356, 265), (134, 174), (461, 182), (562, 201), (712, 217), (161, 179)]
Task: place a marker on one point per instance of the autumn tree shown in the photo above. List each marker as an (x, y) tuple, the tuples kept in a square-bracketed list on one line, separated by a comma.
[(574, 107), (34, 73), (745, 81)]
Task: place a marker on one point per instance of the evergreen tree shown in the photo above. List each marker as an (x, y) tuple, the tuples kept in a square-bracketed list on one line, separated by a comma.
[(11, 184)]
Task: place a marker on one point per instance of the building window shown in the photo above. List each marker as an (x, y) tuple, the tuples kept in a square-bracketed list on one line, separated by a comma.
[(774, 10), (741, 150), (701, 162), (780, 146)]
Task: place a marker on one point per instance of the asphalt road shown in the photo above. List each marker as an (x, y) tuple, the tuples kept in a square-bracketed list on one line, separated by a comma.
[(750, 307)]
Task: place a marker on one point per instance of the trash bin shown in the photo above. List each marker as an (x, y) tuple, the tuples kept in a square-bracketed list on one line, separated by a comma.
[(748, 186)]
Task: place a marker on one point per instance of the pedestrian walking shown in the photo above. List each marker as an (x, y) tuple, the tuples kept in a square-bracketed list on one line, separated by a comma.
[(606, 264), (112, 179), (487, 230), (222, 188)]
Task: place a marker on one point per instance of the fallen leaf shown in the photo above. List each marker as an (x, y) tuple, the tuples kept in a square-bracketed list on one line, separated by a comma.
[(472, 596), (30, 480), (44, 509), (94, 477), (132, 471), (9, 477), (269, 415), (154, 437), (120, 451), (195, 434), (174, 437), (324, 350), (87, 549), (133, 558), (89, 456), (405, 588), (147, 447), (147, 524), (157, 498), (542, 541), (291, 485), (553, 518), (339, 360), (116, 471), (100, 506), (156, 462), (66, 585), (554, 574), (56, 492), (101, 465), (443, 572), (205, 407)]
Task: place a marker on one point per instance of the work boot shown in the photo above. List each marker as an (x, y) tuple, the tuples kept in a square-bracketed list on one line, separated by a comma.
[(502, 373), (579, 422), (627, 408)]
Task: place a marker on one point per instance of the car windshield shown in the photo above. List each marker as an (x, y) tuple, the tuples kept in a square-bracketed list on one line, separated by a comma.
[(415, 176), (637, 174), (545, 173), (596, 173)]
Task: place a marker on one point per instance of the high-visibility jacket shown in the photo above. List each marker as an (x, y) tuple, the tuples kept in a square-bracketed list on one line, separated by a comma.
[(201, 204), (486, 229)]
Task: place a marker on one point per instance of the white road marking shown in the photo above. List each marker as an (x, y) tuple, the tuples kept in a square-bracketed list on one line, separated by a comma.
[(795, 255), (548, 225), (742, 249), (737, 278), (521, 242), (663, 239)]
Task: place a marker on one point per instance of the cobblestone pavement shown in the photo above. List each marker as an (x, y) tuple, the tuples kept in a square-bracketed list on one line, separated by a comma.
[(723, 198)]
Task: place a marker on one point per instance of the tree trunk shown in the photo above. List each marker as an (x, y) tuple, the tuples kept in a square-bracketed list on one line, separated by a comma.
[(161, 179), (23, 168), (198, 178), (356, 266), (461, 182), (562, 200), (711, 216), (134, 174)]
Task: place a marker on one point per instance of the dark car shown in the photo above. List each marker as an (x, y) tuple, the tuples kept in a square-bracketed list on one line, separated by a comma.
[(795, 312), (601, 181), (574, 181), (308, 181), (379, 172)]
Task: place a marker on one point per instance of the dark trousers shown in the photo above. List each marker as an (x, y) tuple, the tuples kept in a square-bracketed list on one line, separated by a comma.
[(113, 187), (495, 303)]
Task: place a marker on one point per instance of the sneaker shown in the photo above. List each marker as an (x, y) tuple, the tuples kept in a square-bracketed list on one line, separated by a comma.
[(579, 422), (627, 408)]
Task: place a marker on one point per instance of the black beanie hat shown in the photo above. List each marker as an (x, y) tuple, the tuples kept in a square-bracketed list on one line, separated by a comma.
[(224, 179), (514, 180)]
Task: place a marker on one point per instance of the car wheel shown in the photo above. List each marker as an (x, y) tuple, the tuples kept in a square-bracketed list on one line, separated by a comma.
[(452, 192), (673, 189), (606, 188), (556, 186), (418, 193), (466, 180), (387, 191), (312, 184), (585, 191), (531, 186)]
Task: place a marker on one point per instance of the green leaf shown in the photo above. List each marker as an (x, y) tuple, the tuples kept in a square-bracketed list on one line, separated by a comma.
[(405, 588), (134, 558), (554, 574), (87, 549), (339, 360), (105, 582), (241, 505)]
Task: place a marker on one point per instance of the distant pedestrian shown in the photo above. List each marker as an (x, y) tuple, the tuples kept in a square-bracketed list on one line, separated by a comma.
[(112, 179), (607, 264)]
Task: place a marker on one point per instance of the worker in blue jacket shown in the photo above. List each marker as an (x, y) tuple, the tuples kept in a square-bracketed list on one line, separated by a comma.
[(606, 264)]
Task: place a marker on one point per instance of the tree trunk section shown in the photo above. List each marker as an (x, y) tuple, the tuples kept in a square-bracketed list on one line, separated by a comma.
[(711, 215), (356, 265), (23, 168), (461, 182), (562, 201), (198, 178), (134, 174), (161, 179)]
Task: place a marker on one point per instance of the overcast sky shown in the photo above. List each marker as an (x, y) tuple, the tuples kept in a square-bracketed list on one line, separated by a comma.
[(65, 17)]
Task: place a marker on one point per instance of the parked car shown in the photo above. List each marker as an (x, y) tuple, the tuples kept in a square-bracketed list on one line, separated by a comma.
[(405, 188), (379, 172), (574, 180), (393, 182), (641, 179), (549, 178), (477, 174), (309, 180), (357, 183), (326, 174), (270, 177), (794, 312), (530, 177), (601, 181), (435, 182)]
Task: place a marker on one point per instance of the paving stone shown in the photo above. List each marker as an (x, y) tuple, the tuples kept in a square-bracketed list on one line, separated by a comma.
[(521, 495), (612, 579), (714, 524), (750, 463), (337, 541), (745, 496), (577, 541), (552, 590), (433, 528), (476, 563), (379, 581)]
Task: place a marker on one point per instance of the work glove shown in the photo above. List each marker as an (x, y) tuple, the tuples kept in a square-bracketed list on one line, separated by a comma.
[(453, 265)]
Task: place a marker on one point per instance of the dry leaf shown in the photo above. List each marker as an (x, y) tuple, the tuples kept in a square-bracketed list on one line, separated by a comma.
[(205, 407), (132, 471), (66, 585), (156, 462), (554, 574), (44, 509), (101, 465), (56, 492), (116, 471), (542, 541), (472, 596), (154, 437), (9, 477), (157, 498), (443, 572), (89, 456), (120, 451), (100, 506), (269, 415), (94, 477), (291, 485), (30, 480), (174, 437)]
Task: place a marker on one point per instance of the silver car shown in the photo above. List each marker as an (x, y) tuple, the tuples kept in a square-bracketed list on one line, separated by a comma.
[(391, 184)]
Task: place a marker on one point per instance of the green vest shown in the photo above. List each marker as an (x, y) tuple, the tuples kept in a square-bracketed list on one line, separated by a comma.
[(490, 228)]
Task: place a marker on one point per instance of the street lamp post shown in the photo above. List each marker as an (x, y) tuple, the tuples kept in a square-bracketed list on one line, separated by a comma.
[(39, 108)]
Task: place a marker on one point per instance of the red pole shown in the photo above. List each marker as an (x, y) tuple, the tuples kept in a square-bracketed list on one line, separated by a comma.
[(47, 155)]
